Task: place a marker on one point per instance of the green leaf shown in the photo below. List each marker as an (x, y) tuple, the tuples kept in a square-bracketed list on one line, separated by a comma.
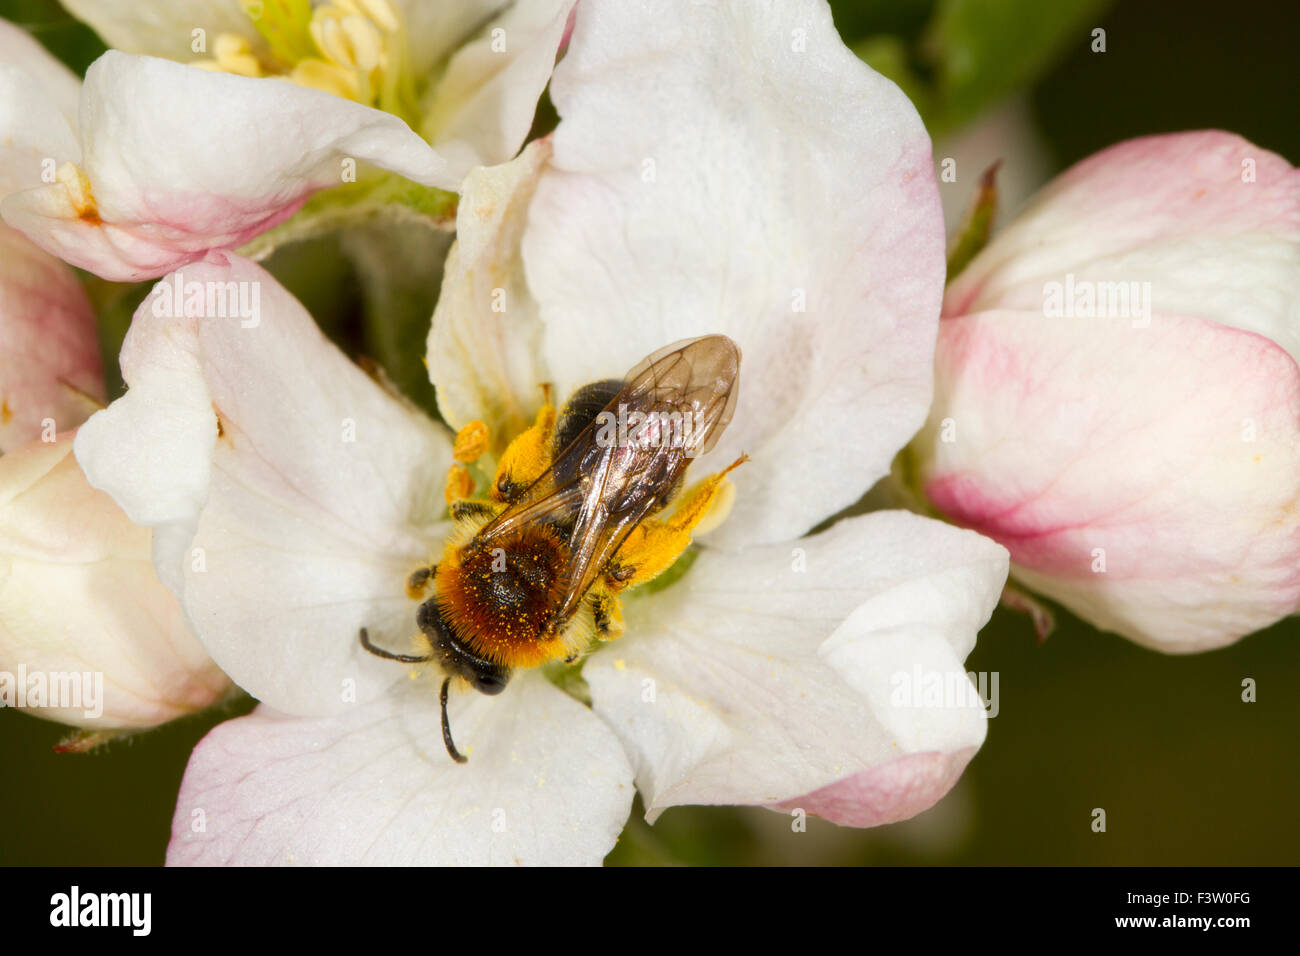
[(983, 50)]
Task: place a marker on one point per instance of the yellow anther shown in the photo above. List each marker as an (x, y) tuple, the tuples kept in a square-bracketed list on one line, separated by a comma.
[(346, 36), (320, 75), (77, 185), (460, 484), (234, 54), (327, 33), (381, 12), (365, 42), (353, 49), (471, 442)]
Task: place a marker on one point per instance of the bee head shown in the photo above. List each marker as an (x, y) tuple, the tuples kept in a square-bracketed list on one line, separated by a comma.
[(457, 660)]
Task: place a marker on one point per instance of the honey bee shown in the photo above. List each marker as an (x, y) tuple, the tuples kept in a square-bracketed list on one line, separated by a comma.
[(575, 515)]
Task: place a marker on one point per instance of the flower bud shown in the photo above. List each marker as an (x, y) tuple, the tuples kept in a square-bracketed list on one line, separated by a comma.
[(1117, 397)]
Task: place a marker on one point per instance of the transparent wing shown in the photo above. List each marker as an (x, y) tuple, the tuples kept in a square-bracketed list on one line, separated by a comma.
[(623, 466)]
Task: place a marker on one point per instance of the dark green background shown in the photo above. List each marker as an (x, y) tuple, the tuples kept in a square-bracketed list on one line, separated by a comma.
[(1187, 772)]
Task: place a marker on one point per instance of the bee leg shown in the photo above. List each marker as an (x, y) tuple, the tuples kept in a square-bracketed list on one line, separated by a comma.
[(525, 458), (389, 655), (419, 582), (606, 615), (470, 509), (655, 544)]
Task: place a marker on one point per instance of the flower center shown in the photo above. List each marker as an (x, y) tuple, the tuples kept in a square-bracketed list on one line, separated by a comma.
[(355, 49)]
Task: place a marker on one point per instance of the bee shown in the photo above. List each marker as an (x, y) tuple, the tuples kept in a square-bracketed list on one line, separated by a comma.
[(576, 514)]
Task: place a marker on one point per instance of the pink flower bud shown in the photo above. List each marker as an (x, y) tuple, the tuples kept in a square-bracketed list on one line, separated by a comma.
[(1117, 397)]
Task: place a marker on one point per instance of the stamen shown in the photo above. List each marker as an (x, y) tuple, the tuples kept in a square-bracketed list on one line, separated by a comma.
[(365, 42), (234, 54), (382, 13), (320, 75)]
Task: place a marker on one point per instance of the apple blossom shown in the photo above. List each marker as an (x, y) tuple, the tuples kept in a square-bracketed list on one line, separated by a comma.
[(88, 634), (1117, 396), (790, 205), (157, 162)]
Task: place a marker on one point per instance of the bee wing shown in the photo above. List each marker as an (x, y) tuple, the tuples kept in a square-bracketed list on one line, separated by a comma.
[(620, 468)]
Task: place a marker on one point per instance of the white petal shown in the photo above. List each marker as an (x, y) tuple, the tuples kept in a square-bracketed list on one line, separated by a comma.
[(50, 367), (734, 168), (484, 342), (38, 110), (182, 160), (546, 783), (78, 595), (320, 495), (771, 674), (163, 29), (435, 28), (483, 106)]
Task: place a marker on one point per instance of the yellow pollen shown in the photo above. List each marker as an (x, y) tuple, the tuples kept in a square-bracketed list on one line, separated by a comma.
[(471, 442), (80, 198)]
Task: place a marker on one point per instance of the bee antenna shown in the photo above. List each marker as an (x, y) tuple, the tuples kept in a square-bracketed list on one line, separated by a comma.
[(452, 752)]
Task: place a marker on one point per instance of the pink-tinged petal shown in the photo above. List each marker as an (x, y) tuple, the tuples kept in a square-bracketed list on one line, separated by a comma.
[(38, 111), (78, 595), (292, 494), (894, 791), (50, 369), (168, 181), (1207, 220), (485, 338), (483, 104), (792, 205), (787, 669), (1146, 478), (546, 783)]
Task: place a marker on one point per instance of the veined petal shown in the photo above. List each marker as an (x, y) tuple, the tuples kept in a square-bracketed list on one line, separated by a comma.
[(1167, 510), (38, 111), (50, 371), (483, 105), (1206, 221), (78, 595), (734, 168), (795, 674), (167, 181), (546, 783), (485, 339), (294, 495)]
